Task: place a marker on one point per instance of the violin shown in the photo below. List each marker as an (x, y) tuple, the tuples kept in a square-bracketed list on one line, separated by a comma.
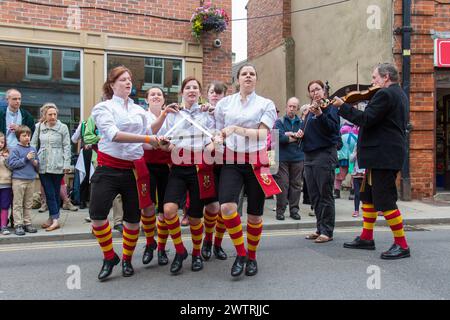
[(353, 96)]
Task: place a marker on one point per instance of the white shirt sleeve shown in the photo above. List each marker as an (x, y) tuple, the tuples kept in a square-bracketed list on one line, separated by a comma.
[(270, 115), (76, 136), (219, 116), (104, 120)]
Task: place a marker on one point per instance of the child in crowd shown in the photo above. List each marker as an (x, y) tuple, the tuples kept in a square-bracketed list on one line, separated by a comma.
[(357, 178), (25, 165), (5, 185)]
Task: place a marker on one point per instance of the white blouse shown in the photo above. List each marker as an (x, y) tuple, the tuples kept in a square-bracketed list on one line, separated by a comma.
[(231, 111), (112, 116)]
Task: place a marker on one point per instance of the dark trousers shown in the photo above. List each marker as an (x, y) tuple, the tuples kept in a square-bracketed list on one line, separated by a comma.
[(84, 186), (320, 182), (357, 186), (52, 185), (289, 177)]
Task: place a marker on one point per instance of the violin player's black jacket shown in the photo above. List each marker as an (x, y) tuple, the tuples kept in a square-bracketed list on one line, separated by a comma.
[(382, 134)]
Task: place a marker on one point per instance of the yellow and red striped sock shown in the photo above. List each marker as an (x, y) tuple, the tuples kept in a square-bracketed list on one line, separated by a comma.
[(210, 223), (220, 230), (104, 238), (130, 239), (395, 222), (163, 234), (254, 232), (175, 233), (148, 224), (196, 234), (369, 218), (234, 228)]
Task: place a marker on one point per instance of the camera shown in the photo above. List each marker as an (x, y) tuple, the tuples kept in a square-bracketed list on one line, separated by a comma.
[(217, 43)]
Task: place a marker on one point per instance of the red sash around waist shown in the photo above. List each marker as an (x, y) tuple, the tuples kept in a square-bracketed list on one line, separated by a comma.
[(157, 157), (140, 171)]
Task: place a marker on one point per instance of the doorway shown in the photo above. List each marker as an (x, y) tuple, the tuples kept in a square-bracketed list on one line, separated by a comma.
[(442, 130)]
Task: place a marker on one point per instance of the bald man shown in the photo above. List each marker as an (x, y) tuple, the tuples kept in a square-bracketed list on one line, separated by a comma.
[(13, 117), (290, 171)]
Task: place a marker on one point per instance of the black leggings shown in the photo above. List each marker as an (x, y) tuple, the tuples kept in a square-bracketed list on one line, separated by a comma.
[(357, 186)]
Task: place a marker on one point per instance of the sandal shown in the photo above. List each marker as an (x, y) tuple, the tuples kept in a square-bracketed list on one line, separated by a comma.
[(322, 239), (312, 236)]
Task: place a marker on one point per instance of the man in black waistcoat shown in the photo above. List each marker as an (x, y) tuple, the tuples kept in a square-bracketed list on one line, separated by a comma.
[(381, 151)]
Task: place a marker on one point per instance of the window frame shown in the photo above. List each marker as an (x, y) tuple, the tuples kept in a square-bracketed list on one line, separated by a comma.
[(50, 64), (70, 58)]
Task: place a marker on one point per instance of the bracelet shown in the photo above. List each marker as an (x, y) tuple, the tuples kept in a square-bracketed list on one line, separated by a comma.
[(147, 139)]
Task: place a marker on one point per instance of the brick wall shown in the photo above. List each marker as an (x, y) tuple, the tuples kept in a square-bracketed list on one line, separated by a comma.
[(217, 60), (427, 15), (265, 34)]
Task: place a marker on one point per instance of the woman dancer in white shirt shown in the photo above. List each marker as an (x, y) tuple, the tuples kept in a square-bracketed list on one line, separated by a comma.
[(123, 127), (244, 117)]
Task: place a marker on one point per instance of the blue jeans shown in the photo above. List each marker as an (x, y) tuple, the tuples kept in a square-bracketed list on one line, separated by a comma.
[(52, 184)]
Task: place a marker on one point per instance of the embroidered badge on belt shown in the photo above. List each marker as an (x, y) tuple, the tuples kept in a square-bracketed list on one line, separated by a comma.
[(265, 179), (144, 189), (206, 182)]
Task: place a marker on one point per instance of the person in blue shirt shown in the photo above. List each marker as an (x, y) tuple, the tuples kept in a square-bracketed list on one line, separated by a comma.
[(290, 171)]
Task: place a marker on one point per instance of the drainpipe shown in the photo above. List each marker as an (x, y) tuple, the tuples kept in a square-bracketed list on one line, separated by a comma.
[(406, 30)]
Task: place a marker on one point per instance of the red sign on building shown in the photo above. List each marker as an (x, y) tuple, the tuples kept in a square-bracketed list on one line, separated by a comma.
[(442, 53)]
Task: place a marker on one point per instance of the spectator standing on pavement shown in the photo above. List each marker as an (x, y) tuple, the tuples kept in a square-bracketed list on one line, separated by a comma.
[(5, 185), (13, 117), (357, 179), (24, 164), (52, 141), (320, 134), (382, 152), (290, 172)]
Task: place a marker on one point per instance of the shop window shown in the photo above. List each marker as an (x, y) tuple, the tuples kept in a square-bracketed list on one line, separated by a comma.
[(70, 66), (38, 63), (154, 71)]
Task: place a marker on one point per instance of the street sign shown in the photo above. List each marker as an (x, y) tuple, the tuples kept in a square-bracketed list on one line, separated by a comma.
[(442, 53)]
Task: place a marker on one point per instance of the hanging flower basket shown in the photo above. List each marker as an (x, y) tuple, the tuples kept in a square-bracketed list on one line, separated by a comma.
[(209, 18)]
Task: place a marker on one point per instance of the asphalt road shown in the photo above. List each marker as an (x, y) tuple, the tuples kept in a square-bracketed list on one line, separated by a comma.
[(290, 267)]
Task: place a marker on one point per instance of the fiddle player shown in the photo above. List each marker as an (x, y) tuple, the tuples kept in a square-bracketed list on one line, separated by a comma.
[(320, 134), (381, 151)]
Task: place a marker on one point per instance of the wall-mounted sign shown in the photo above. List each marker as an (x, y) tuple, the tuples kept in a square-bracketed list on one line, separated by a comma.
[(442, 53)]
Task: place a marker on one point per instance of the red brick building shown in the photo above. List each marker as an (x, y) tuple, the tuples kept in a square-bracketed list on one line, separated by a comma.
[(327, 42), (47, 47)]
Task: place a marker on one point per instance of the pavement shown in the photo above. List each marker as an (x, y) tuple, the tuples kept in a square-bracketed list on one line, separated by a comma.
[(74, 226)]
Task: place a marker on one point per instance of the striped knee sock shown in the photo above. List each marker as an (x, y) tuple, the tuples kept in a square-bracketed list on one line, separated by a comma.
[(369, 218), (175, 233), (148, 224), (196, 234), (395, 221), (210, 223), (104, 238), (220, 230), (130, 238), (254, 232), (234, 228), (163, 234)]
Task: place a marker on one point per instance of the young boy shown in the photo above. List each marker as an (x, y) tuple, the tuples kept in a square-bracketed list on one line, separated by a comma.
[(24, 165)]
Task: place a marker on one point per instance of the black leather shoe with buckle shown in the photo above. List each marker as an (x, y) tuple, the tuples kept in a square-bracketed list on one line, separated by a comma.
[(177, 262), (238, 266), (219, 253), (107, 267), (295, 216), (396, 252), (358, 243), (280, 216), (251, 268), (127, 268), (162, 258), (197, 263), (148, 253), (206, 250)]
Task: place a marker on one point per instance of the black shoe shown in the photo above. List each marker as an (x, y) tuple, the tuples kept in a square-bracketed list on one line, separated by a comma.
[(206, 250), (107, 267), (197, 263), (295, 216), (82, 205), (177, 262), (358, 243), (119, 227), (127, 268), (280, 216), (395, 252), (19, 230), (162, 258), (337, 193), (29, 228), (238, 266), (251, 268), (219, 253), (148, 253)]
